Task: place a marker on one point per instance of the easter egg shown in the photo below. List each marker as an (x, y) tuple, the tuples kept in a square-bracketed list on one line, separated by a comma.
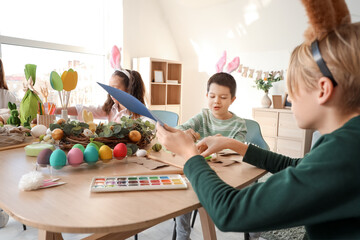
[(94, 145), (156, 147), (87, 132), (91, 155), (38, 130), (133, 147), (58, 159), (120, 151), (75, 157), (135, 136), (79, 146), (57, 134), (105, 153), (43, 159), (141, 153)]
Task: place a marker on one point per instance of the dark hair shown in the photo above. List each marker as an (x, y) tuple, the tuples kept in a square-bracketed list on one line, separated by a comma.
[(223, 79), (134, 86), (3, 84)]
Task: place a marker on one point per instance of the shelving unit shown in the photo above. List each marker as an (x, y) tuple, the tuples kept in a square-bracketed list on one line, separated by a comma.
[(165, 95), (281, 133)]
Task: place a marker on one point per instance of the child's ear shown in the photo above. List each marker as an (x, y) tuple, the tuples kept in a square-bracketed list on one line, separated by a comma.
[(326, 90), (233, 99)]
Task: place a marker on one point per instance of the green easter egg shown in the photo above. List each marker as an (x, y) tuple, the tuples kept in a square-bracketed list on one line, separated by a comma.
[(58, 159), (91, 155), (79, 146), (156, 147), (94, 145)]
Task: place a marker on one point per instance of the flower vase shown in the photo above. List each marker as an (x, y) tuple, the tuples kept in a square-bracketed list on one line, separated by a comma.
[(265, 101), (64, 114)]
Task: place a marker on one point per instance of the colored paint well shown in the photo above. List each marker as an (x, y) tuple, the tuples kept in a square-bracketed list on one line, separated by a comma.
[(133, 183)]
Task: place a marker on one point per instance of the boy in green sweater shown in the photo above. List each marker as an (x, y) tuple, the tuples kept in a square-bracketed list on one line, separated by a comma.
[(217, 119), (320, 190)]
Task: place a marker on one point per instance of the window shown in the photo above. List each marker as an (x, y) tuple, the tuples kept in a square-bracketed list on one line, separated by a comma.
[(56, 36)]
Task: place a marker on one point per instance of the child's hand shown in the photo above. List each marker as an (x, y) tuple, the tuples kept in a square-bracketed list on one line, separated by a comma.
[(193, 134), (176, 141), (216, 143)]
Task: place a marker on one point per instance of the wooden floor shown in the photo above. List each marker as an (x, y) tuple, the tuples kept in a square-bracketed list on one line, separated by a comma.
[(14, 231)]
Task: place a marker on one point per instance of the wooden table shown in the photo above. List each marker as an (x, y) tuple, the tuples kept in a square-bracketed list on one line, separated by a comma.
[(72, 208)]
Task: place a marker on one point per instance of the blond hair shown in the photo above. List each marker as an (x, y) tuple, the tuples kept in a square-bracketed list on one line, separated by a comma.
[(340, 50)]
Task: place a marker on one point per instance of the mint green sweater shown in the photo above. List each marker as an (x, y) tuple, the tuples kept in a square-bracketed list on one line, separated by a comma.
[(320, 191), (207, 125)]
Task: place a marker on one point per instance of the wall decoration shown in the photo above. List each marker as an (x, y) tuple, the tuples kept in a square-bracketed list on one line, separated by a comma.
[(244, 70)]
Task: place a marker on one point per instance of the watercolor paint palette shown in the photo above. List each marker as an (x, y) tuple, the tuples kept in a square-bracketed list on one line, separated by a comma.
[(137, 183)]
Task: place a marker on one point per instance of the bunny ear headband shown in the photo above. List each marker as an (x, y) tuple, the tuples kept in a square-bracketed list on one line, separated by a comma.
[(232, 66), (115, 60), (324, 17)]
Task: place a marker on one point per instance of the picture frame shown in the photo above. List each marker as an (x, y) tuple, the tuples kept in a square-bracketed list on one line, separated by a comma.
[(158, 76), (277, 101), (286, 103)]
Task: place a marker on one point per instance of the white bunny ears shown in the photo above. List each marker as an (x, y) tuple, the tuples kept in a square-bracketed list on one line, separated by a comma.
[(115, 60), (232, 66)]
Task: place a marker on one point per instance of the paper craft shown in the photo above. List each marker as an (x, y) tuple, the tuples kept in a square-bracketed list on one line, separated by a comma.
[(149, 164), (130, 102)]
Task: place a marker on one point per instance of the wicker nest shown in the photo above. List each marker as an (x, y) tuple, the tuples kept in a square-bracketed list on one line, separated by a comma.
[(69, 141)]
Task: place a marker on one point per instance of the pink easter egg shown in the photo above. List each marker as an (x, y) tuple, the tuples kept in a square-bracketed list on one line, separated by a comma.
[(75, 157)]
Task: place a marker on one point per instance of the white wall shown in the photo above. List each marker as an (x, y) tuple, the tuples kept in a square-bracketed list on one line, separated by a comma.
[(196, 32), (146, 32)]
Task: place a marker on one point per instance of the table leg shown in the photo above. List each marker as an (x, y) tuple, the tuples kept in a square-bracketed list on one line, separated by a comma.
[(207, 225), (45, 235)]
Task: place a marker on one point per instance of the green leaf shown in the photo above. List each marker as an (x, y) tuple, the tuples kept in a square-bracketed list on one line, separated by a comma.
[(67, 129), (54, 126), (117, 129), (108, 132), (83, 125)]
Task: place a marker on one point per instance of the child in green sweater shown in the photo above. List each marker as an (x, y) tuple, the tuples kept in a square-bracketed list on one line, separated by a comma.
[(217, 119), (321, 190)]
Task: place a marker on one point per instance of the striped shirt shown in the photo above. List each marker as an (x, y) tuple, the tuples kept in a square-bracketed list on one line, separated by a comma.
[(207, 125)]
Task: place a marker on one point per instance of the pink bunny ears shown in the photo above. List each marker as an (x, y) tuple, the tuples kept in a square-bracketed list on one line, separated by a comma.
[(115, 57), (115, 60), (232, 66)]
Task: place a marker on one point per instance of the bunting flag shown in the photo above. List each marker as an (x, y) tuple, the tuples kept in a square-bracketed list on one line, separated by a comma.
[(245, 71)]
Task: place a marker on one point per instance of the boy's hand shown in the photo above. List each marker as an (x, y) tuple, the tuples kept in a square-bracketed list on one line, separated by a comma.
[(193, 134), (176, 141), (214, 144)]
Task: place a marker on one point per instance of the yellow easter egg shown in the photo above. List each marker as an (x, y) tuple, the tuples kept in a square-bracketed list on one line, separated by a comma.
[(105, 153)]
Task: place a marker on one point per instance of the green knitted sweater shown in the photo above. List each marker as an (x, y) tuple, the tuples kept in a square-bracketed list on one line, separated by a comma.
[(320, 191)]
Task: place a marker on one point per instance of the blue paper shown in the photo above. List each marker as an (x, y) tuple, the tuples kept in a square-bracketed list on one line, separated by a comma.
[(130, 102)]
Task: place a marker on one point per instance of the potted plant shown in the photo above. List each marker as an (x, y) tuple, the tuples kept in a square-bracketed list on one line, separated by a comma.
[(265, 85)]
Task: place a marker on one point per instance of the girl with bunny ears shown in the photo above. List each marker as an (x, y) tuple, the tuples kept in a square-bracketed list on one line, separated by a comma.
[(320, 191), (126, 80)]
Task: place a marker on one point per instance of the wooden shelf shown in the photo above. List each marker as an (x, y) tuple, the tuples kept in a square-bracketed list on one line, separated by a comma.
[(162, 95)]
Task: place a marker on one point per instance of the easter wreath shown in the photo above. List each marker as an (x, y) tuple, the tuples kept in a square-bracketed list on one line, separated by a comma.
[(110, 134)]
